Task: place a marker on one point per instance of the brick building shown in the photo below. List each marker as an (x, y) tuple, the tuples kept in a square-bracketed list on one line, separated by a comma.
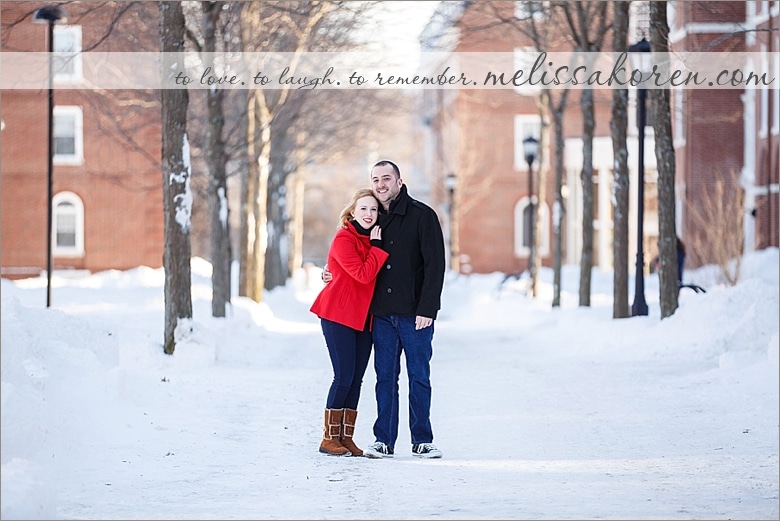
[(761, 168), (727, 138), (107, 188), (107, 185), (476, 138)]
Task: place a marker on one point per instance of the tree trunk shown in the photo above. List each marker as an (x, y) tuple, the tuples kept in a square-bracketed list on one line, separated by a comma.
[(665, 160), (541, 196), (253, 211), (217, 188), (277, 251), (586, 176), (618, 127), (559, 207), (588, 22), (298, 192), (248, 194), (177, 198), (259, 233), (298, 189)]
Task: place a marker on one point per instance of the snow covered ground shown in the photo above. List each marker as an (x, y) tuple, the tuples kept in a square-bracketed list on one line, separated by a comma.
[(541, 413)]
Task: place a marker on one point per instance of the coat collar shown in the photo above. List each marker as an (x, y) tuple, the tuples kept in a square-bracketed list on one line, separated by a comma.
[(399, 204), (356, 229)]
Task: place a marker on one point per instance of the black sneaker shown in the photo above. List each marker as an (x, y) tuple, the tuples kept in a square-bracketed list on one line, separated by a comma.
[(378, 450), (425, 450)]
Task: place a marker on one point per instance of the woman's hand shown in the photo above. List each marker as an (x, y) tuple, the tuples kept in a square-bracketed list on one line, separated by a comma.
[(376, 233)]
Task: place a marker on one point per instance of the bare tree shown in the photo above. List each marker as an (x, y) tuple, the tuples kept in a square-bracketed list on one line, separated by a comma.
[(331, 161), (665, 159), (176, 176), (252, 210), (216, 130), (556, 111), (318, 121), (216, 159), (588, 24), (719, 220), (585, 24), (273, 130), (124, 115), (620, 195), (294, 28), (542, 28), (323, 131), (110, 14)]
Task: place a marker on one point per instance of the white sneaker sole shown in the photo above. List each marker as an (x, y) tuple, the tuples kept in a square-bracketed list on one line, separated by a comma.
[(428, 455), (372, 454)]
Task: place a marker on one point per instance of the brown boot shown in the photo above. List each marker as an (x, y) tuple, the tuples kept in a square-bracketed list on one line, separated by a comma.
[(347, 430), (332, 432)]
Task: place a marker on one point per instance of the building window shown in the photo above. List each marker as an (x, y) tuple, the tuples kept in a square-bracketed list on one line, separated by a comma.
[(67, 63), (776, 94), (525, 58), (530, 9), (679, 117), (763, 128), (640, 20), (68, 225), (68, 135), (523, 223)]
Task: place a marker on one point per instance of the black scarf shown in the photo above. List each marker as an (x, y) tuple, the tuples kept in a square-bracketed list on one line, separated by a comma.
[(360, 229)]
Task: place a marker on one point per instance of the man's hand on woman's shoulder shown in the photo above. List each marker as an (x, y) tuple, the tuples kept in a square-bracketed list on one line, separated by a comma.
[(327, 276)]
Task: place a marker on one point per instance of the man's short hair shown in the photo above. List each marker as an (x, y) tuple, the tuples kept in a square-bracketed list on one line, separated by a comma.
[(387, 162)]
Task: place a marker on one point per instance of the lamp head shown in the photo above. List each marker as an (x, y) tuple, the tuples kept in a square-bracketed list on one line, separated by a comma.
[(530, 148), (451, 181), (50, 14), (640, 55)]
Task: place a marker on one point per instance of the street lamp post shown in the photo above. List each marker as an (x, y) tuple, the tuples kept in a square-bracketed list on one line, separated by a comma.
[(451, 182), (531, 150), (642, 54), (50, 15)]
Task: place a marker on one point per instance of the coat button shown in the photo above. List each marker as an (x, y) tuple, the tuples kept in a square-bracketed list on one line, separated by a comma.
[(389, 290), (388, 267)]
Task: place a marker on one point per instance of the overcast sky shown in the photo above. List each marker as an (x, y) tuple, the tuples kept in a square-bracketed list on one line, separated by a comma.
[(401, 25)]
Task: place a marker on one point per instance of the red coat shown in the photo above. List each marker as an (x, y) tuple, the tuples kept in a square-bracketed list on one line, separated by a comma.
[(354, 264)]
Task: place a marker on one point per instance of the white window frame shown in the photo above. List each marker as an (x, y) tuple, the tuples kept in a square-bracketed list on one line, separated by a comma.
[(679, 117), (76, 209), (775, 129), (535, 9), (67, 64), (77, 157), (525, 58), (763, 126)]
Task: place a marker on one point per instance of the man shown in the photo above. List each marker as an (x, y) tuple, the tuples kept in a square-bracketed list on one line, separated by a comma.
[(406, 300)]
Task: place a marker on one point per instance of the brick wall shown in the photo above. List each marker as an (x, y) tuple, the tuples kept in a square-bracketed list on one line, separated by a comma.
[(119, 181)]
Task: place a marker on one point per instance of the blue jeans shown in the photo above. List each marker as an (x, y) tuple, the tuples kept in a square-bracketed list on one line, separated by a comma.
[(393, 334), (349, 352)]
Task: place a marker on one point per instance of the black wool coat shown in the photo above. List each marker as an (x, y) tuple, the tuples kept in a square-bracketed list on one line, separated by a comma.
[(412, 278)]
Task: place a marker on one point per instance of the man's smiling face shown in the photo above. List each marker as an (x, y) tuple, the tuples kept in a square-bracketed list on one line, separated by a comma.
[(385, 184)]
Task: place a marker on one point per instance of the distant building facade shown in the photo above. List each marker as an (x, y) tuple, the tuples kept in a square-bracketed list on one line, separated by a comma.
[(107, 184), (727, 138), (475, 137)]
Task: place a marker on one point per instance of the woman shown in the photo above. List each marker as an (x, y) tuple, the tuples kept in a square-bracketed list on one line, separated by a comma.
[(354, 259)]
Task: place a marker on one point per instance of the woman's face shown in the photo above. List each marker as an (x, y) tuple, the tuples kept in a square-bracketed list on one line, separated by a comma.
[(366, 212)]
